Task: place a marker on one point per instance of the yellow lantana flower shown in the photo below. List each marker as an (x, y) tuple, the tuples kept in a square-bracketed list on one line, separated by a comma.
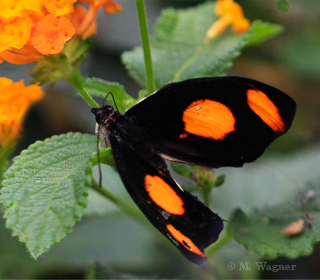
[(14, 103), (230, 14)]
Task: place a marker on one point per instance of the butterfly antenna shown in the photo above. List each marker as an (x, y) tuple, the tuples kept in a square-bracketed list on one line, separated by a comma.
[(114, 102), (98, 155)]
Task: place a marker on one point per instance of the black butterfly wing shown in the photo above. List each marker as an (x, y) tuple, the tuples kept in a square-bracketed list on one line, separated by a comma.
[(178, 215), (212, 122)]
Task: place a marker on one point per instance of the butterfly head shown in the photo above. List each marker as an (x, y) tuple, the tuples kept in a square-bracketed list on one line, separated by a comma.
[(102, 114)]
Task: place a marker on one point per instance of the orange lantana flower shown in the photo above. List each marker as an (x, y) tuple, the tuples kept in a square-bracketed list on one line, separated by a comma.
[(82, 25), (50, 33), (14, 32), (109, 5), (30, 29), (231, 15), (87, 24), (59, 7), (14, 103)]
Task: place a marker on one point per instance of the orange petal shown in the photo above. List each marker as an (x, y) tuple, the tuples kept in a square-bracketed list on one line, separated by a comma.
[(231, 14), (223, 7), (14, 32), (13, 107), (109, 5), (26, 54), (60, 7), (50, 34), (218, 27), (16, 101), (19, 8), (83, 22), (240, 25)]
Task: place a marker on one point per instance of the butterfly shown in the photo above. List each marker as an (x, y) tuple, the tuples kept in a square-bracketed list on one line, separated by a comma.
[(210, 122)]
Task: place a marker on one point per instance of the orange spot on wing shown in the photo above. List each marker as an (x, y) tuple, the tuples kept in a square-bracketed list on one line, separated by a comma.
[(265, 109), (163, 195), (185, 241), (209, 119)]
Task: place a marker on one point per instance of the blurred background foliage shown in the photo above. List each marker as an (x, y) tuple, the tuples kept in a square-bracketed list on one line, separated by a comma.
[(118, 247)]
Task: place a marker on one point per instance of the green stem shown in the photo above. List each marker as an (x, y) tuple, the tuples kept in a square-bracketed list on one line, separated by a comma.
[(226, 238), (128, 209), (206, 198), (75, 78), (146, 45), (88, 98)]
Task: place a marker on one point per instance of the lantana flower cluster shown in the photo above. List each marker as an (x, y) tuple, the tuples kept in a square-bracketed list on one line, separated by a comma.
[(32, 28), (230, 14), (14, 103), (31, 31)]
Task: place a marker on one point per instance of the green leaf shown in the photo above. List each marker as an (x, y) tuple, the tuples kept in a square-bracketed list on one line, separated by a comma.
[(283, 5), (261, 32), (220, 181), (301, 56), (100, 88), (45, 190), (262, 230), (106, 157), (181, 169), (179, 51)]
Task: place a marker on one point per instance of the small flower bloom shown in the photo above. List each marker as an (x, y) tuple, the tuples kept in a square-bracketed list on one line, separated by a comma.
[(14, 32), (14, 104), (109, 6), (59, 7), (49, 34), (19, 8), (230, 14), (83, 27)]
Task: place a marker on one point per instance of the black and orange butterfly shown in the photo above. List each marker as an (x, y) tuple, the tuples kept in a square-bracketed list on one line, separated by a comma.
[(210, 122)]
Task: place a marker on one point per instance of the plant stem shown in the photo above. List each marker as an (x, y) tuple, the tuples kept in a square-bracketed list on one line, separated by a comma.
[(206, 196), (121, 204), (77, 81), (88, 98), (226, 238), (146, 45)]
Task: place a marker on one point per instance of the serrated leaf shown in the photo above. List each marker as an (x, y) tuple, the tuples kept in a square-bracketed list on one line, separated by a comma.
[(45, 190), (262, 31), (100, 88), (179, 51), (283, 5), (262, 230)]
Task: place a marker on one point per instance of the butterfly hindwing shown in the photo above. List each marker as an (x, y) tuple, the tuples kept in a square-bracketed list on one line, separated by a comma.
[(178, 215), (213, 122)]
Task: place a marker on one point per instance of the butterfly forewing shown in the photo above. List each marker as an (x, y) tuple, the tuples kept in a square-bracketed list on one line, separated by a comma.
[(213, 122)]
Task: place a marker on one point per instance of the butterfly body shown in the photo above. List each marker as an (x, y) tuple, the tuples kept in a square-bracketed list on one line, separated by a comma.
[(210, 122)]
